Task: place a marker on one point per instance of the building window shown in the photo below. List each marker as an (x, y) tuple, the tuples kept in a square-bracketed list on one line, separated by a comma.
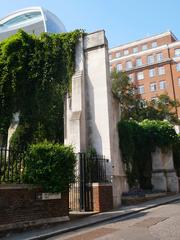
[(110, 56), (179, 82), (119, 67), (154, 44), (177, 52), (126, 52), (144, 47), (128, 65), (151, 72), (118, 54), (138, 62), (140, 75), (131, 77), (135, 49), (159, 57), (161, 70), (150, 59), (178, 67), (153, 87), (162, 85), (141, 89)]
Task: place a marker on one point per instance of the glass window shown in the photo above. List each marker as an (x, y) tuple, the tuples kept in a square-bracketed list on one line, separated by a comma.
[(153, 87), (118, 54), (131, 77), (179, 82), (154, 44), (135, 49), (178, 67), (128, 65), (140, 75), (150, 59), (141, 89), (162, 85), (151, 72), (144, 47), (119, 67), (21, 19), (177, 52), (138, 62), (161, 70), (126, 52), (159, 57)]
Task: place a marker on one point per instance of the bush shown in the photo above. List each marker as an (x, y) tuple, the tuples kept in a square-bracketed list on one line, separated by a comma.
[(50, 166)]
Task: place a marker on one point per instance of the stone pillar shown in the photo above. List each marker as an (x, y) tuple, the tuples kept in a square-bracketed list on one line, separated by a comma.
[(13, 127), (164, 177), (91, 115), (74, 111)]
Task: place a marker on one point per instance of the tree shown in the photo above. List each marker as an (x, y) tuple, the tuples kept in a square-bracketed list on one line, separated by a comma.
[(134, 107), (126, 93)]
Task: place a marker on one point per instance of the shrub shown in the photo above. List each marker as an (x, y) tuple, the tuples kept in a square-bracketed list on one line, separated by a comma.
[(50, 166)]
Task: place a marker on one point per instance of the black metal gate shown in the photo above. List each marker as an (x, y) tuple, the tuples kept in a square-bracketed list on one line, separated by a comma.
[(89, 169)]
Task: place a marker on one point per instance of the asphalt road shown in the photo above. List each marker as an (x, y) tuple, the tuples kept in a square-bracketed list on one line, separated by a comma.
[(160, 223)]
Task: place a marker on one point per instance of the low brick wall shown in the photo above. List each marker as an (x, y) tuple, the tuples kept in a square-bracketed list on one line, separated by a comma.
[(102, 197), (20, 206)]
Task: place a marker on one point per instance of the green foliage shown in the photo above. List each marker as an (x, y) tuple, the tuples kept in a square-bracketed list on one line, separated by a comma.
[(134, 107), (176, 155), (125, 91), (159, 133), (35, 74), (50, 166), (137, 141)]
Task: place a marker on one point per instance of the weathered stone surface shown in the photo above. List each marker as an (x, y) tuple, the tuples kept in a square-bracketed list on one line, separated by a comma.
[(91, 113), (164, 177)]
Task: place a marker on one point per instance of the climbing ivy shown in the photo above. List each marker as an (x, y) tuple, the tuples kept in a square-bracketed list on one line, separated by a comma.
[(35, 74), (137, 141)]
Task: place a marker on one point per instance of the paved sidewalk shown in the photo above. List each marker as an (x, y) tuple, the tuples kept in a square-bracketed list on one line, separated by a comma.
[(52, 230)]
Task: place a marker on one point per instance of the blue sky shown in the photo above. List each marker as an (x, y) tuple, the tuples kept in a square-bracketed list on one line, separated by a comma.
[(123, 20)]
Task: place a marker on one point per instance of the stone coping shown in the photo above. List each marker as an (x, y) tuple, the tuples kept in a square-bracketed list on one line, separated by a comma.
[(37, 222), (18, 186)]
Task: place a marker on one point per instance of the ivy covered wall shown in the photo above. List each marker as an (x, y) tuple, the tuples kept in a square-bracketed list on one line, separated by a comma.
[(35, 74), (138, 140)]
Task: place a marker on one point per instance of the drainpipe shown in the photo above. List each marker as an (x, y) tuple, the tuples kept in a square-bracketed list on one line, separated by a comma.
[(172, 79)]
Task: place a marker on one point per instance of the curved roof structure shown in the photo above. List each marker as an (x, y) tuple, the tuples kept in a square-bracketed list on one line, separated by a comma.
[(32, 20)]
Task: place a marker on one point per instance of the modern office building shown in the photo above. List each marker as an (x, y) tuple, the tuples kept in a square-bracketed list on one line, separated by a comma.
[(152, 63), (32, 20)]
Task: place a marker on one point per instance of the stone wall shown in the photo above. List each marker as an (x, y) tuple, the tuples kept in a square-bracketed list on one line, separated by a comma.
[(164, 176), (22, 206)]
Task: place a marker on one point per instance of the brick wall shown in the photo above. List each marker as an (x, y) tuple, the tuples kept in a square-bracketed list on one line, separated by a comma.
[(102, 197), (19, 205)]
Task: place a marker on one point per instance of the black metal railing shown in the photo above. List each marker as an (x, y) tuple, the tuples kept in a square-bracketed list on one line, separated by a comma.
[(95, 167), (11, 166)]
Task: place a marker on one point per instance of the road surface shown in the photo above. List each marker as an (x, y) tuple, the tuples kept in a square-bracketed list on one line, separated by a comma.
[(160, 223)]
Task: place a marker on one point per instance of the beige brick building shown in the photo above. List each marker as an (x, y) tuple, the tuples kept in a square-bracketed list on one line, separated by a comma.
[(152, 63)]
